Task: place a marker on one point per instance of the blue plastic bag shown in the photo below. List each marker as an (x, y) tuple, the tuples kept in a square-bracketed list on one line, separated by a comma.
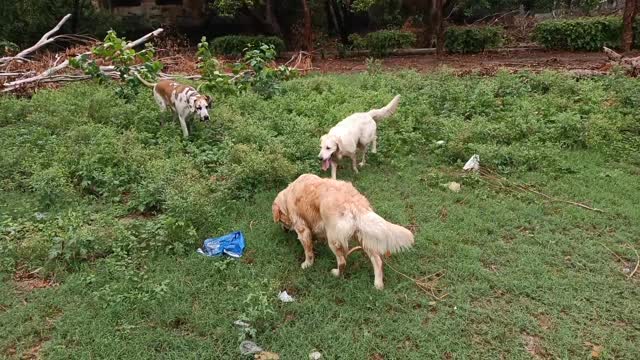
[(230, 244)]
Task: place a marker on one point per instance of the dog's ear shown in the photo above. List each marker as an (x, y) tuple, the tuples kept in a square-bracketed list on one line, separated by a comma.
[(209, 100), (348, 146), (275, 209)]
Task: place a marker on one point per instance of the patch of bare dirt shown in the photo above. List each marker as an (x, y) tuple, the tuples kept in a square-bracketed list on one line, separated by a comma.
[(533, 345), (28, 281), (544, 321), (485, 64)]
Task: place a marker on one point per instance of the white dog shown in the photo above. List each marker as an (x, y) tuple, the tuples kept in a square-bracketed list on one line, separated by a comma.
[(183, 100), (357, 131)]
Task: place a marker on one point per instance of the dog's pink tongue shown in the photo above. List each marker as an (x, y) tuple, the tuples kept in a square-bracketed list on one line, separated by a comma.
[(325, 164)]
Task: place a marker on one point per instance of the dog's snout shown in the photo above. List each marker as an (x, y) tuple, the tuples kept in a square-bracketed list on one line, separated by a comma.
[(206, 118), (320, 157)]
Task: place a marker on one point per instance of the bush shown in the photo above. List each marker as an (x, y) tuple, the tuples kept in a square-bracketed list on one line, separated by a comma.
[(589, 34), (472, 39), (236, 44), (380, 43)]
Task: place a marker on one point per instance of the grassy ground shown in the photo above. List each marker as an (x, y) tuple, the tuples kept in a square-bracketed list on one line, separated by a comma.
[(109, 208)]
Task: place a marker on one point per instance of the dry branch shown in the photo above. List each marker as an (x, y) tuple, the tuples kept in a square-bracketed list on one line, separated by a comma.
[(10, 86), (488, 174), (46, 39), (631, 64)]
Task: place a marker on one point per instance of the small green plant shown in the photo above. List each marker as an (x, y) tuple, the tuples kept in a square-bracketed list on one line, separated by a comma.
[(374, 66), (236, 45), (472, 39), (115, 50), (254, 72), (381, 43), (7, 47)]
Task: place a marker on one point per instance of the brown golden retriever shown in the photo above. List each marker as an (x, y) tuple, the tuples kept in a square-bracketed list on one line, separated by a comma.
[(335, 210)]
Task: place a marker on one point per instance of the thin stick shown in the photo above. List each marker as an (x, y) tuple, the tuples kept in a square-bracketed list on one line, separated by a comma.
[(419, 284), (614, 254), (528, 189), (637, 264)]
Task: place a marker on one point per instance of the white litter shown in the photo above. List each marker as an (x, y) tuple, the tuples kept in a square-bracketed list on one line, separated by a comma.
[(454, 186), (249, 347), (241, 323), (285, 297), (440, 142), (316, 355), (473, 163)]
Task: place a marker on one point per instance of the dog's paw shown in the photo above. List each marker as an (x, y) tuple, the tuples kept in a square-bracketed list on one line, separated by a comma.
[(361, 164), (379, 285), (306, 264), (335, 272)]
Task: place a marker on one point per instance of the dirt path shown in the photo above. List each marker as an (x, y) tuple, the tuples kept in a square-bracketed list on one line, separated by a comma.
[(531, 59)]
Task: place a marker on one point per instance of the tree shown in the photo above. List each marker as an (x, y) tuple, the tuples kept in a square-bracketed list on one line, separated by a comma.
[(260, 10), (308, 27), (629, 15)]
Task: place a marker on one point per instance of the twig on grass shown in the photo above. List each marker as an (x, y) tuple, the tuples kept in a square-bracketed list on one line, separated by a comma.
[(637, 264), (623, 261), (614, 254), (492, 175), (423, 284)]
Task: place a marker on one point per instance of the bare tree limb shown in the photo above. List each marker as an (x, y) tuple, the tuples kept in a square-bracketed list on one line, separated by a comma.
[(10, 86), (42, 42)]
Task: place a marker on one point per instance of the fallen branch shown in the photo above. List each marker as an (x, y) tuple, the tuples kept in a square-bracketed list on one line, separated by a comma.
[(42, 42), (10, 86), (632, 65)]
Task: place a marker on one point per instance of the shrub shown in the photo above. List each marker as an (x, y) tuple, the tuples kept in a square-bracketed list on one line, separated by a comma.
[(472, 39), (235, 45), (589, 34), (380, 43)]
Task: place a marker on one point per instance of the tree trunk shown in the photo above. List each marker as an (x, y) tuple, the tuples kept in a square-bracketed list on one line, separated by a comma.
[(427, 23), (75, 16), (308, 29), (628, 17), (439, 26), (340, 20), (271, 18)]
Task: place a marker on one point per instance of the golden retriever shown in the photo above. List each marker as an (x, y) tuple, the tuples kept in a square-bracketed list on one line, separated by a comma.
[(335, 210), (357, 131)]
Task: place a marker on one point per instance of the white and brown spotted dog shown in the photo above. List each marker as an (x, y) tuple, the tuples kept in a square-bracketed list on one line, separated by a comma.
[(183, 100)]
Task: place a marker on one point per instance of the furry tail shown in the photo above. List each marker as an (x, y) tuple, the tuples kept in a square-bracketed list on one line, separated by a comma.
[(380, 236), (145, 82), (385, 112)]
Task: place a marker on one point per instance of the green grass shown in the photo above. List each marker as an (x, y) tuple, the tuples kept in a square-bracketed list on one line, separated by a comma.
[(126, 203)]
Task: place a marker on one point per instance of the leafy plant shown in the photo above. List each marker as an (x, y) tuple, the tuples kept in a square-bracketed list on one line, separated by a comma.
[(256, 71), (236, 45), (374, 66), (381, 43), (588, 33), (124, 60), (7, 47), (472, 39)]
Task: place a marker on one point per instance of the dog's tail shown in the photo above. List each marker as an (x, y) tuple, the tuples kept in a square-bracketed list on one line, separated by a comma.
[(145, 82), (385, 112), (380, 236)]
